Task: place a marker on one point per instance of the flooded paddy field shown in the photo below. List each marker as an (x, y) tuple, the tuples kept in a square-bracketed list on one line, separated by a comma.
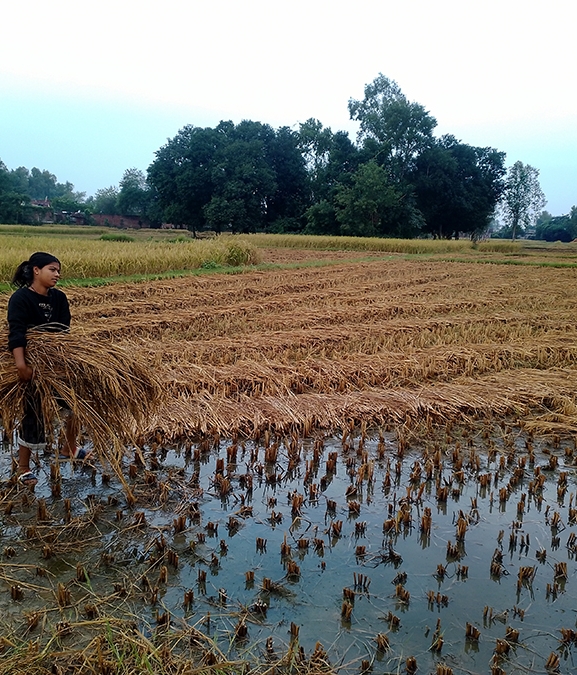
[(455, 548), (365, 466)]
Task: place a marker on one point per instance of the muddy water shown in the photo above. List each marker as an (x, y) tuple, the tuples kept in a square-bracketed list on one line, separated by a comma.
[(240, 513)]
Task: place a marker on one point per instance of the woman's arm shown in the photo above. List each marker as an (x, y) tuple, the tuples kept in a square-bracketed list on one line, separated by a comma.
[(17, 321), (19, 312), (24, 370)]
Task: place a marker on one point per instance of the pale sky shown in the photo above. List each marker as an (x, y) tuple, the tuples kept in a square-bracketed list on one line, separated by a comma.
[(89, 89)]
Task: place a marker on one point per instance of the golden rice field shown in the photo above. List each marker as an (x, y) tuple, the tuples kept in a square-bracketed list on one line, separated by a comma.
[(365, 462), (92, 253), (86, 253)]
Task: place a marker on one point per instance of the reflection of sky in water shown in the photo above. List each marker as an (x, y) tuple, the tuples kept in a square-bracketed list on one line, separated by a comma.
[(313, 601)]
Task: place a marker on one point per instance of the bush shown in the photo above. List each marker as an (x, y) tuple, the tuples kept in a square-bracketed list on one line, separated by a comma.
[(559, 228), (210, 265), (239, 253), (181, 239), (112, 236)]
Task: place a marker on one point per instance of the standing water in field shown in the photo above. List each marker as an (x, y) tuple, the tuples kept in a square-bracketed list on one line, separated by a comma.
[(459, 551)]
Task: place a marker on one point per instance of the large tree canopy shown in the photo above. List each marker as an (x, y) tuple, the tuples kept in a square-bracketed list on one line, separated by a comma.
[(243, 177), (558, 228), (134, 195), (105, 201), (331, 160), (289, 201), (400, 181), (373, 207), (457, 187), (395, 129), (182, 175)]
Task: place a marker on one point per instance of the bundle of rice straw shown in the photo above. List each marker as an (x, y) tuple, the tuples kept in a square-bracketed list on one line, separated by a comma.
[(112, 390)]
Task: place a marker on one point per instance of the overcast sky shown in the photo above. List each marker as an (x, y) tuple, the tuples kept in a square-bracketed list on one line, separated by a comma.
[(89, 89)]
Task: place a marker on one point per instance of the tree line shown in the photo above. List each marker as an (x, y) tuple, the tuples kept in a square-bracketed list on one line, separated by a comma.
[(23, 192), (395, 180), (19, 187)]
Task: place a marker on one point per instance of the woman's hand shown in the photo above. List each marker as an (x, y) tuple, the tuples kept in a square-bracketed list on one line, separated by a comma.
[(24, 370)]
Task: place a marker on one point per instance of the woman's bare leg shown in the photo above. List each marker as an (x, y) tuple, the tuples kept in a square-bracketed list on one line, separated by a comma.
[(24, 455)]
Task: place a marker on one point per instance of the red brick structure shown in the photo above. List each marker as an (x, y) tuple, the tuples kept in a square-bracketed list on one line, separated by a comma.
[(109, 220)]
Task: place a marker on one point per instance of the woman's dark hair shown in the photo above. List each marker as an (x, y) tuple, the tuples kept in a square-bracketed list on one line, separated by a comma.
[(24, 274)]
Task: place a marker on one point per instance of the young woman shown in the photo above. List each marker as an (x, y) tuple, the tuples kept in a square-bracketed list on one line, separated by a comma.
[(37, 303)]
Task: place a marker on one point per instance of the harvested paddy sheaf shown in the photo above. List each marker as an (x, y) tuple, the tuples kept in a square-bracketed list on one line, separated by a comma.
[(362, 466), (111, 390)]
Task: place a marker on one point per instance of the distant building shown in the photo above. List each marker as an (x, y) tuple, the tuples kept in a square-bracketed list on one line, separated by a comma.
[(75, 218), (40, 211), (110, 220), (44, 203)]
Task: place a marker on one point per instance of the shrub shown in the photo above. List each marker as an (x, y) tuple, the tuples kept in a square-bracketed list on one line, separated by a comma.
[(113, 236), (180, 239), (240, 253)]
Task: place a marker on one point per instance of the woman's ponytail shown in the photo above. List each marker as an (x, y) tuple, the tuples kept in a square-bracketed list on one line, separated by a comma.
[(23, 275)]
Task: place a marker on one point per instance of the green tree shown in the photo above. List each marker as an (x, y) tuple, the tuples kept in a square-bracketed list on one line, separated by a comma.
[(370, 206), (394, 129), (543, 217), (41, 184), (343, 162), (243, 177), (322, 219), (5, 182), (315, 143), (522, 199), (68, 204), (13, 203), (288, 202), (13, 208), (223, 213), (20, 179), (557, 228), (331, 161), (134, 195), (181, 176), (19, 186), (105, 201), (457, 187), (244, 180)]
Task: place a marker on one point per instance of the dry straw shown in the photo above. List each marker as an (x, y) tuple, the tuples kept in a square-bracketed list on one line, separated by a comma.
[(110, 388)]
